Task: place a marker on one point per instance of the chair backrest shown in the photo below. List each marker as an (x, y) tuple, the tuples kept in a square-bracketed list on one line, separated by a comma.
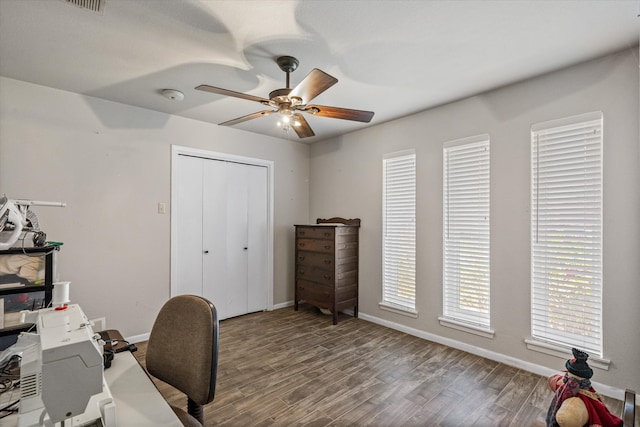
[(183, 347)]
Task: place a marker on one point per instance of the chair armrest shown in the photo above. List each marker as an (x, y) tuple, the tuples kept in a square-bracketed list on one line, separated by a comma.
[(629, 409)]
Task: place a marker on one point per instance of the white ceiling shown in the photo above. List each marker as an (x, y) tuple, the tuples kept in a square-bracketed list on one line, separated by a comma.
[(391, 57)]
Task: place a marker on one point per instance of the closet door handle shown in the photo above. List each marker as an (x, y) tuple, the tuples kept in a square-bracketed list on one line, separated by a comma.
[(206, 252)]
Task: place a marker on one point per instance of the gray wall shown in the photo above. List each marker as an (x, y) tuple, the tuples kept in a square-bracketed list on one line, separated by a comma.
[(111, 164), (346, 181)]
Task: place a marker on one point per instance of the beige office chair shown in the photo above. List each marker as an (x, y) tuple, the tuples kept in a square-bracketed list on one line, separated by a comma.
[(183, 352)]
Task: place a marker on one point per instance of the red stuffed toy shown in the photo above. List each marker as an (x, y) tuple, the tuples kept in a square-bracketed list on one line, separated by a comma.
[(576, 403)]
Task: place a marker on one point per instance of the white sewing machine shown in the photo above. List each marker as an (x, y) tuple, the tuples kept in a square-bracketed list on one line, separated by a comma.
[(61, 374)]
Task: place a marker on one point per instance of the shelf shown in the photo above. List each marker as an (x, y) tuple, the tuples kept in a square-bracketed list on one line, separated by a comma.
[(28, 286)]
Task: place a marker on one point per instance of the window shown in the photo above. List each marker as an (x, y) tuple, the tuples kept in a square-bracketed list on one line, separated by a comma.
[(399, 232), (466, 278), (566, 232)]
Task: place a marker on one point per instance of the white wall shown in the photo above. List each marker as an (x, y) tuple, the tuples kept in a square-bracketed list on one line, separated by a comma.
[(111, 163), (346, 181)]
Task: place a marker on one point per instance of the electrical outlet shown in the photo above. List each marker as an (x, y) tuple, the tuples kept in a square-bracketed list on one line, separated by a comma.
[(99, 324), (162, 208)]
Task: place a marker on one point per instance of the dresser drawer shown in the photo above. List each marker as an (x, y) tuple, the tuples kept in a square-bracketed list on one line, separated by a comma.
[(314, 291), (316, 259), (315, 232), (324, 277), (315, 245)]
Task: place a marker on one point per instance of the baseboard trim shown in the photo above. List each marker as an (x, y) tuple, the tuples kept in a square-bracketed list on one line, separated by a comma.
[(283, 305), (138, 338), (544, 371)]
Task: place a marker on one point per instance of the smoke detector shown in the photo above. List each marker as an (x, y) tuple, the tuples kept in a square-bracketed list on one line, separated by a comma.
[(172, 94)]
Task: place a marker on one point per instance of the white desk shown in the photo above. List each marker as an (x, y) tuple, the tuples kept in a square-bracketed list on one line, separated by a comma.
[(138, 401)]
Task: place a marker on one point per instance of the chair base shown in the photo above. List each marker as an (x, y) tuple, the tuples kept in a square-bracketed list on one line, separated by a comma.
[(195, 410), (186, 419)]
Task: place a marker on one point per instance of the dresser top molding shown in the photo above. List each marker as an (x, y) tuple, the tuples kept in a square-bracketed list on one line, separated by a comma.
[(338, 220)]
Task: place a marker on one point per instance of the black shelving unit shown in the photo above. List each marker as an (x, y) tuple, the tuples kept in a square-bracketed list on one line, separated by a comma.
[(48, 252)]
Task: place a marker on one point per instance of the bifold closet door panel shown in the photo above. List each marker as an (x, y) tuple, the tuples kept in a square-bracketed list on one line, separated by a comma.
[(189, 173), (257, 235), (237, 241), (216, 277)]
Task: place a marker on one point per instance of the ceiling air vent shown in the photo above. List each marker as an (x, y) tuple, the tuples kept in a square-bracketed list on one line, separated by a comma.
[(92, 5)]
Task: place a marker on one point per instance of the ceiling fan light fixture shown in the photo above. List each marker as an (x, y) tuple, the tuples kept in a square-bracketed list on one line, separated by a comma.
[(286, 113)]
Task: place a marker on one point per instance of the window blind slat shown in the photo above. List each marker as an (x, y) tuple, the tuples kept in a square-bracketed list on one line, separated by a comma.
[(566, 234)]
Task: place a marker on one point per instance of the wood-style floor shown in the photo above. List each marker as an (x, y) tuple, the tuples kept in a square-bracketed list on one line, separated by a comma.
[(287, 368)]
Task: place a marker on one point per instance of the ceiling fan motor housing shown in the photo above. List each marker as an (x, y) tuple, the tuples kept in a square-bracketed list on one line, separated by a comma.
[(280, 92)]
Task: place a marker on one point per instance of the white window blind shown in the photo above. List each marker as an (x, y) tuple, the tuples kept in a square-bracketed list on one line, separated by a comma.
[(466, 273), (566, 232), (399, 230)]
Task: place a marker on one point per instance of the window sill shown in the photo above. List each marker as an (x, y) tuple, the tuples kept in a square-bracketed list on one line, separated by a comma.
[(476, 330), (405, 311), (564, 352)]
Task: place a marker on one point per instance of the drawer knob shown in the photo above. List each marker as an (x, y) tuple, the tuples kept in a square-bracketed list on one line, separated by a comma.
[(301, 245), (327, 277), (327, 261), (327, 246), (301, 258), (302, 233), (327, 234)]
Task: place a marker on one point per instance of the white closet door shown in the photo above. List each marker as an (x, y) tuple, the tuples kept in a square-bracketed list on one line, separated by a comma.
[(257, 232), (222, 233), (215, 277), (188, 239), (237, 240)]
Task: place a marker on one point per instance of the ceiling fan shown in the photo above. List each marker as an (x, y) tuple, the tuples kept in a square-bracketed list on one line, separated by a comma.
[(290, 102)]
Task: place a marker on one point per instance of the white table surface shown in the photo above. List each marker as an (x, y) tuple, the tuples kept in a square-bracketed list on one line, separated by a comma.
[(138, 401)]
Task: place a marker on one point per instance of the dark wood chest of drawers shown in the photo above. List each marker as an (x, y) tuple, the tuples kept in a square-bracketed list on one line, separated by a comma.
[(327, 265)]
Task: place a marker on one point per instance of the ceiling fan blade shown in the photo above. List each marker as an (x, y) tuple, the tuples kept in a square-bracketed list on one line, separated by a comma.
[(303, 130), (316, 82), (228, 92), (247, 117), (339, 113)]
